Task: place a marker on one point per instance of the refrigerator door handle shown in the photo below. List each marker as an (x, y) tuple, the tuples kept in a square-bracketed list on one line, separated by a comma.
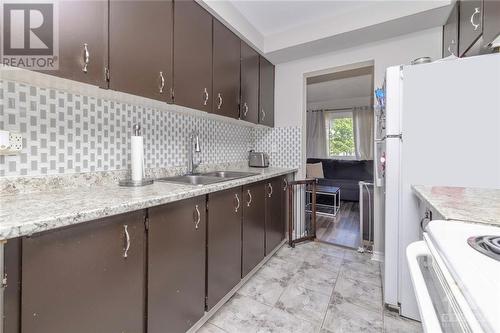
[(394, 136)]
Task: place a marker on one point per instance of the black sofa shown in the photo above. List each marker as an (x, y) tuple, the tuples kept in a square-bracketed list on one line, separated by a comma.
[(345, 174)]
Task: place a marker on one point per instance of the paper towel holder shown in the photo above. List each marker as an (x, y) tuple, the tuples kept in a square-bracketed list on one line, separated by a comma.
[(136, 129)]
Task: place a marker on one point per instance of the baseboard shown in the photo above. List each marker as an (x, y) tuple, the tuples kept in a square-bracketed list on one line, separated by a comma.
[(378, 256)]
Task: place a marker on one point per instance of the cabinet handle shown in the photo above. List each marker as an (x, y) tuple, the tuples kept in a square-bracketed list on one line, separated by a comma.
[(162, 83), (476, 11), (270, 194), (86, 57), (198, 217), (263, 114), (127, 241), (249, 198), (237, 203), (205, 93), (245, 107), (219, 96), (285, 182), (449, 47)]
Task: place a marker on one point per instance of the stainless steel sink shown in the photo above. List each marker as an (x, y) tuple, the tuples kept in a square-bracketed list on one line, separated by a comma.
[(191, 179), (229, 174)]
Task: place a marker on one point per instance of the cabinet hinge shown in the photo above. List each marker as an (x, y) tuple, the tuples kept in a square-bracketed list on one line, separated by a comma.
[(146, 223), (106, 74)]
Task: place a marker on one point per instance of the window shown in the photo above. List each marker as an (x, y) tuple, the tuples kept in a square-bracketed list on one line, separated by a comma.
[(340, 135)]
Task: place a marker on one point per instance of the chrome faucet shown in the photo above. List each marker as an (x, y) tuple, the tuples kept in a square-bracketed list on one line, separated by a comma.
[(194, 147)]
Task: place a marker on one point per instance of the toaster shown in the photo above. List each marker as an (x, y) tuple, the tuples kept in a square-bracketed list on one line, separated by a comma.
[(258, 159)]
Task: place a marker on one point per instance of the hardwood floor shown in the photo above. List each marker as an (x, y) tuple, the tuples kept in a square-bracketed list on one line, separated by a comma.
[(342, 229)]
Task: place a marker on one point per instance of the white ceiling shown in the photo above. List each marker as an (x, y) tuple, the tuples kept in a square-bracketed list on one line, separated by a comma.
[(348, 88), (285, 30), (270, 17)]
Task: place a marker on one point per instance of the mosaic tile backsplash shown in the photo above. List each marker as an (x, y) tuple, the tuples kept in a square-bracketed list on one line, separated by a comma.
[(70, 133)]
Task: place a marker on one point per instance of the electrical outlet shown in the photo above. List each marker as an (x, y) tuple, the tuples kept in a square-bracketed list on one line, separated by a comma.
[(13, 145), (16, 142)]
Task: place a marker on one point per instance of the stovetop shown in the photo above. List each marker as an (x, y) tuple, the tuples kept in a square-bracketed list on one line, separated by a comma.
[(488, 245), (475, 268)]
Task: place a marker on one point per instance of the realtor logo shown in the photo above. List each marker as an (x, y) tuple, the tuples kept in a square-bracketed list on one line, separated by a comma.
[(29, 36)]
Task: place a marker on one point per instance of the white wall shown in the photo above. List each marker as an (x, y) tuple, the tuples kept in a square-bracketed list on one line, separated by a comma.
[(290, 96)]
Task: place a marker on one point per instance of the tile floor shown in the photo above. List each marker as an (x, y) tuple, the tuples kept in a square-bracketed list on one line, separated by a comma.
[(315, 287)]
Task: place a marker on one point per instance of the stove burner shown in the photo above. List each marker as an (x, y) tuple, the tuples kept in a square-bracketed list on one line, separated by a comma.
[(488, 245)]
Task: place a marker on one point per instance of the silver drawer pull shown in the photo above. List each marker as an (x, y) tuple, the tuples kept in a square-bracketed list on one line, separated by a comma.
[(285, 182), (245, 108), (249, 198), (263, 114), (162, 83), (476, 11), (86, 57), (450, 51), (237, 203), (205, 93), (127, 241), (219, 96), (270, 190), (198, 217)]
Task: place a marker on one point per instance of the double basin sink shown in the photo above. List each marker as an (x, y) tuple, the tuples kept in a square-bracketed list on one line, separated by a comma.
[(206, 178)]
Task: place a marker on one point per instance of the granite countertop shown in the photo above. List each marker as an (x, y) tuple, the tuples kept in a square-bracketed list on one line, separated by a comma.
[(476, 205), (29, 213)]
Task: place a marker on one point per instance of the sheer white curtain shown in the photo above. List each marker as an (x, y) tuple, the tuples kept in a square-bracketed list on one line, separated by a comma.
[(363, 132), (316, 135)]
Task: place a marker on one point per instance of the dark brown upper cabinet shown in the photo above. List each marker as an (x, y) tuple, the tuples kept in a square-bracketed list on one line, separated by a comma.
[(471, 24), (253, 227), (450, 33), (140, 34), (85, 278), (491, 26), (176, 265), (249, 101), (192, 56), (223, 243), (226, 71), (83, 41), (266, 92), (274, 221)]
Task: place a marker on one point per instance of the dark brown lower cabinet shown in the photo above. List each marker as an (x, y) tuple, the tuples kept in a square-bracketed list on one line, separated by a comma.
[(223, 243), (285, 205), (253, 227), (85, 278), (12, 292), (176, 265), (274, 221)]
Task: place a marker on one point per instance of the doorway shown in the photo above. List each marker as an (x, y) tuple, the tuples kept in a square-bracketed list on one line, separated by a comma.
[(339, 153)]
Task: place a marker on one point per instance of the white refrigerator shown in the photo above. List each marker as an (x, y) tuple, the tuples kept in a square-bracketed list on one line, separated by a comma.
[(442, 128)]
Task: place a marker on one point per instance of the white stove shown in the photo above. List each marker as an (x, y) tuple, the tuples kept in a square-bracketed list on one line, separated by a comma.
[(455, 273)]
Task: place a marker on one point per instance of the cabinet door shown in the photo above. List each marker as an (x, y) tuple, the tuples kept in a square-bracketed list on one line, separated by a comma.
[(274, 218), (249, 101), (253, 227), (85, 278), (140, 56), (224, 243), (285, 206), (176, 265), (12, 291), (226, 72), (491, 24), (83, 25), (471, 23), (266, 93), (192, 56), (450, 34)]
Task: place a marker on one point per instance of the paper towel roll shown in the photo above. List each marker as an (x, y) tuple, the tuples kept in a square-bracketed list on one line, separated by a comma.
[(137, 158)]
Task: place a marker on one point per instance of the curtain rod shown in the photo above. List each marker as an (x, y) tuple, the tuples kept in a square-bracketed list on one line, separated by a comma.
[(366, 107)]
